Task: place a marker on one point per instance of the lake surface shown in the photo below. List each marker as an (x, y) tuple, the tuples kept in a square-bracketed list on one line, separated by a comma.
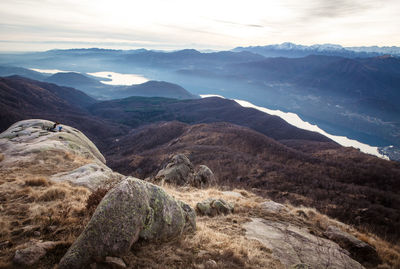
[(113, 78), (110, 78), (295, 120)]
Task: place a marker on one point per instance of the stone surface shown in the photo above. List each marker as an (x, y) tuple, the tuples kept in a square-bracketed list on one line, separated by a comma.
[(115, 262), (31, 141), (203, 177), (32, 253), (359, 250), (179, 171), (273, 207), (26, 138), (232, 193), (293, 245), (211, 264), (92, 176), (212, 207), (132, 209)]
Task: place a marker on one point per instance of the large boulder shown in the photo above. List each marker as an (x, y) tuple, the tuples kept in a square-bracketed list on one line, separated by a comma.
[(212, 207), (179, 171), (91, 176), (359, 250), (203, 177), (31, 142), (133, 209)]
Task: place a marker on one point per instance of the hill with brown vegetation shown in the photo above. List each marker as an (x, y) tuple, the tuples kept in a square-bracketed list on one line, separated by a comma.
[(255, 151), (47, 200), (344, 183), (22, 98)]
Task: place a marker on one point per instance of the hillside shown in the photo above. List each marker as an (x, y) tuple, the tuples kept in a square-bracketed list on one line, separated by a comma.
[(22, 98), (49, 182), (154, 89), (342, 182), (136, 111), (257, 150), (72, 79)]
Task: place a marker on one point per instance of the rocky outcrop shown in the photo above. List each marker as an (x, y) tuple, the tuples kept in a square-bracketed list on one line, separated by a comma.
[(133, 209), (273, 207), (32, 141), (295, 247), (180, 171), (359, 250), (212, 207), (203, 177), (33, 252), (92, 176)]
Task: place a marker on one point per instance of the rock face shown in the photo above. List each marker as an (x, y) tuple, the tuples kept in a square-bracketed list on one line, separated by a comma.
[(295, 247), (132, 209), (180, 171), (212, 207), (31, 141), (32, 253), (92, 176), (272, 207), (359, 250), (203, 177)]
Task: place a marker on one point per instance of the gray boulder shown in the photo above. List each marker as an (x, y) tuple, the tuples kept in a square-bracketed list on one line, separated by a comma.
[(132, 209), (32, 253), (203, 177), (273, 207), (212, 207), (359, 250), (179, 171)]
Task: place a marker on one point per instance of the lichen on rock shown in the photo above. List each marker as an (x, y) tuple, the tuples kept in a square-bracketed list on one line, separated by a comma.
[(132, 209), (212, 207), (180, 171)]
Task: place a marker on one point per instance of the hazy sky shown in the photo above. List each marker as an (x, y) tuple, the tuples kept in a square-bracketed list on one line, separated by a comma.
[(207, 24)]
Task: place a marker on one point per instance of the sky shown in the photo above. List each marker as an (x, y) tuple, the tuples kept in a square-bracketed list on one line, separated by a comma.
[(36, 25)]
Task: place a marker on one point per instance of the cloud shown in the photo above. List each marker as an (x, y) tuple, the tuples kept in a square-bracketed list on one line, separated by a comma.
[(240, 24), (337, 8)]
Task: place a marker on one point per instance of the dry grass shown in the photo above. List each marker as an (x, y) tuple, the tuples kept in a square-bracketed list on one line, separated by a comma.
[(30, 203), (37, 182), (54, 193), (59, 211), (388, 252), (219, 238), (1, 157)]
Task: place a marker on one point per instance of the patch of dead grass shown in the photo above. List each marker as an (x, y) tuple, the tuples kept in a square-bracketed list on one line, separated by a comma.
[(54, 193), (37, 182)]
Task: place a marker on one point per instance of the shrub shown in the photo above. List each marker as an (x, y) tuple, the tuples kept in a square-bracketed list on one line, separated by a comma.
[(95, 198)]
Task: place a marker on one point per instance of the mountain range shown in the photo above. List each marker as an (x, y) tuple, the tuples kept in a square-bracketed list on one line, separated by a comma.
[(92, 85), (292, 50), (346, 95)]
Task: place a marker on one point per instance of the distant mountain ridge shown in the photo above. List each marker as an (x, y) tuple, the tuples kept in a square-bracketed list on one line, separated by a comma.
[(293, 50), (92, 86)]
